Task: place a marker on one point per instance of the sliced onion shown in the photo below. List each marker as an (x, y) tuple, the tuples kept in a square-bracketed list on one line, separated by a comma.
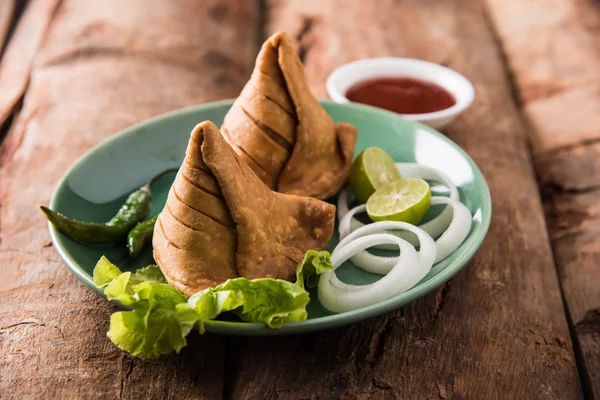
[(457, 231), (344, 199), (434, 227), (409, 268), (348, 223), (378, 264), (446, 244), (420, 171)]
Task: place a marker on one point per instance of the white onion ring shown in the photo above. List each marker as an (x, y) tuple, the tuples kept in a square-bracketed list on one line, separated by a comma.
[(446, 244), (457, 231), (410, 267), (434, 227), (378, 264), (420, 171)]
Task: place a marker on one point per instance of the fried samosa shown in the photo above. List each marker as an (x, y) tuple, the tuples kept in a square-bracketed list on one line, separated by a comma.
[(221, 221), (281, 131)]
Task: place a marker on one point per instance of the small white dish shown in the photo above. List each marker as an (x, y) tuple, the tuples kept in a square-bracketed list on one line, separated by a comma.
[(344, 77)]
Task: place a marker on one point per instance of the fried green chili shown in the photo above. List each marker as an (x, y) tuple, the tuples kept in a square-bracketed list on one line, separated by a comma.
[(136, 208), (140, 235)]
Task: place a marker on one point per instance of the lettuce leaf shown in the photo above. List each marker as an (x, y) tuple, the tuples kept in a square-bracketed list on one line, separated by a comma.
[(314, 264), (105, 272), (162, 316), (270, 301), (153, 327), (266, 300)]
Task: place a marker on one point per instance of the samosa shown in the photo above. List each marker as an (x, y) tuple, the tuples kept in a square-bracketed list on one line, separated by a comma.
[(221, 221), (281, 131)]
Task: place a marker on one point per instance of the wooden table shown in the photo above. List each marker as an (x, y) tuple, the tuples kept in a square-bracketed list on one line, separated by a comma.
[(521, 321)]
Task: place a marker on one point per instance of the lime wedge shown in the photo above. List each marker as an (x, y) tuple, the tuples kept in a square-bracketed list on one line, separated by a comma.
[(404, 200), (372, 169)]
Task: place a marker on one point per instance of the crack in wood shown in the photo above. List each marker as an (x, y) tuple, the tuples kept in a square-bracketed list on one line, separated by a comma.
[(10, 119), (379, 338), (2, 328), (131, 367), (440, 300), (125, 378), (35, 323), (551, 188), (102, 356), (121, 380), (14, 21), (10, 111), (559, 219), (380, 384), (590, 323)]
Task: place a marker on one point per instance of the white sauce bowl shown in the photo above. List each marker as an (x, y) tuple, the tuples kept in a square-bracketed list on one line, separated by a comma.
[(346, 76)]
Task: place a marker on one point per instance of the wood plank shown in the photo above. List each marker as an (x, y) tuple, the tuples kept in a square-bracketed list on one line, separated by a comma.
[(18, 57), (498, 329), (101, 66), (553, 50), (7, 13), (552, 47)]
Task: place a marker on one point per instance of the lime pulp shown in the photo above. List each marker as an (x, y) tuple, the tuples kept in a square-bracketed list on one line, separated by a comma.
[(404, 200)]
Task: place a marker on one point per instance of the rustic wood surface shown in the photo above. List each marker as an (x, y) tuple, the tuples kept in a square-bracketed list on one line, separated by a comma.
[(498, 328), (100, 67), (560, 93), (7, 17), (85, 69), (18, 56)]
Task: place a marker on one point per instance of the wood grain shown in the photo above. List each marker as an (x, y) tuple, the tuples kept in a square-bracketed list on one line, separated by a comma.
[(99, 67), (556, 63), (7, 13), (497, 330), (18, 57), (552, 47)]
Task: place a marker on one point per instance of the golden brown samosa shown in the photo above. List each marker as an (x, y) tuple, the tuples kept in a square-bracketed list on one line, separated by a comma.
[(281, 131), (194, 237), (221, 221)]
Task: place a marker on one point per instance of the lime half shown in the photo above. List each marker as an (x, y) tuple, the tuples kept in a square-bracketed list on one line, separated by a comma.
[(372, 169), (404, 200)]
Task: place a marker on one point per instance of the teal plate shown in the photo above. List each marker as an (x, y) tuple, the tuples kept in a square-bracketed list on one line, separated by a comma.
[(97, 184)]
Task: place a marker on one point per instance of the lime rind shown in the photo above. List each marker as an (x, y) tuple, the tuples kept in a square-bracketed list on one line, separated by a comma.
[(371, 170)]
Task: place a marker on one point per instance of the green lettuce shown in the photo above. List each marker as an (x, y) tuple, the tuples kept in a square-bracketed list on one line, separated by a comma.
[(314, 264), (153, 327), (162, 317)]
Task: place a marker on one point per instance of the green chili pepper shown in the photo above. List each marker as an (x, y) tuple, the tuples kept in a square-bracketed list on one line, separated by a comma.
[(140, 235), (136, 209)]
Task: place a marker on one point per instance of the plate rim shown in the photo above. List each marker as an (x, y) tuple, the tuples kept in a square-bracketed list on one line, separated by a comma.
[(309, 325)]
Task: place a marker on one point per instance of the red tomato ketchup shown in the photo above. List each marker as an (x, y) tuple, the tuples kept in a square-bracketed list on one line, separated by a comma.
[(401, 95)]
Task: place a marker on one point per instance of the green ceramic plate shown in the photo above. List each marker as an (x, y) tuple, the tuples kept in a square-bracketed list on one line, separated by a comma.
[(98, 183)]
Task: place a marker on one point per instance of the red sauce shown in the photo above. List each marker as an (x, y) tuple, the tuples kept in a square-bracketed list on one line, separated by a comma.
[(401, 95)]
